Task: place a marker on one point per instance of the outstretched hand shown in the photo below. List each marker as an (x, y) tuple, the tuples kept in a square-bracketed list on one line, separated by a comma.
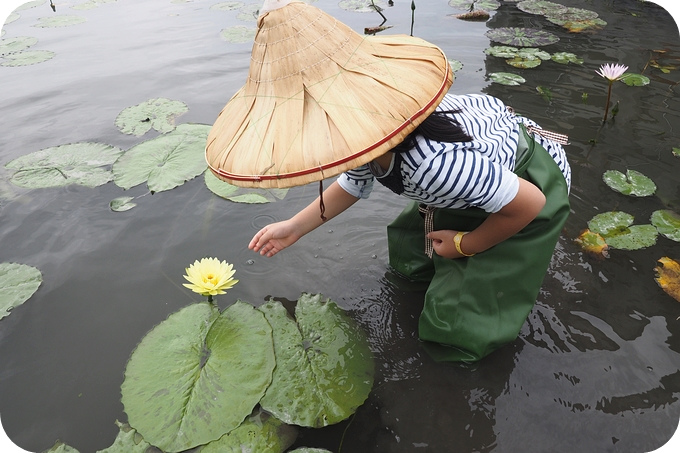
[(273, 238)]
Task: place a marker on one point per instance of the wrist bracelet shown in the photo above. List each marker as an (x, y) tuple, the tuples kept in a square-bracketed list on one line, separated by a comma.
[(456, 241)]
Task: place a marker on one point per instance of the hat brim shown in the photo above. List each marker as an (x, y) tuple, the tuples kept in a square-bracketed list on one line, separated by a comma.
[(321, 99)]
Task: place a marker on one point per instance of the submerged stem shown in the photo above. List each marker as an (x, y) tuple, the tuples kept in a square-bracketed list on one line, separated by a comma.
[(609, 95)]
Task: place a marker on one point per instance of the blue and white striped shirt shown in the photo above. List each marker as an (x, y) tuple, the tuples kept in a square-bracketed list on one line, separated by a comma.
[(478, 173)]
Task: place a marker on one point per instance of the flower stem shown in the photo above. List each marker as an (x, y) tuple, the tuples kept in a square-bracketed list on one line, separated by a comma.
[(210, 299), (606, 107)]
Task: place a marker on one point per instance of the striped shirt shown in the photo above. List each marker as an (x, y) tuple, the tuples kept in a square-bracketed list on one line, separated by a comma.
[(478, 173)]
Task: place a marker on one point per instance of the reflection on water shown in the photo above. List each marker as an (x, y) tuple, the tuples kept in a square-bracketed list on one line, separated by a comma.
[(596, 367)]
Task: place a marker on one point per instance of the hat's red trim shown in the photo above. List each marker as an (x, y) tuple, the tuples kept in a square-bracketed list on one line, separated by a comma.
[(234, 177)]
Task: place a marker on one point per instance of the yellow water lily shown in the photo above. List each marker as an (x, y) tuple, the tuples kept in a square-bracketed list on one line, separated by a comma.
[(210, 277)]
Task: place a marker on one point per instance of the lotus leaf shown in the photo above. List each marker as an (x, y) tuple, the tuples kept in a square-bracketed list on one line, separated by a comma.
[(566, 57), (18, 282), (506, 78), (258, 433), (128, 440), (27, 58), (121, 204), (158, 113), (60, 447), (76, 163), (632, 183), (239, 194), (667, 223), (238, 34), (59, 21), (521, 37), (634, 80), (324, 367), (540, 7), (668, 276), (593, 243), (360, 6), (227, 6), (577, 26), (12, 45), (164, 162), (198, 374), (471, 5), (502, 51)]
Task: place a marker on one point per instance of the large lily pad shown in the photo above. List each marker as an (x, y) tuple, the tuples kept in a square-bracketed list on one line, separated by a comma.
[(128, 440), (60, 447), (59, 21), (506, 78), (227, 6), (18, 282), (164, 162), (566, 57), (240, 194), (258, 433), (75, 163), (540, 7), (470, 5), (667, 223), (27, 58), (198, 374), (310, 450), (502, 51), (668, 276), (632, 183), (634, 80), (361, 6), (522, 37), (12, 45), (619, 232), (158, 113), (324, 368), (571, 14), (239, 34)]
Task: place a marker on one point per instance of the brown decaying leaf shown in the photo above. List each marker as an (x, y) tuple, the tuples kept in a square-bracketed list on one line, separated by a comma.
[(668, 276), (477, 15), (593, 244)]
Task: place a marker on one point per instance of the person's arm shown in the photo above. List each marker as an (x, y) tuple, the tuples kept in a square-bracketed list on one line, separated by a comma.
[(498, 227), (275, 237)]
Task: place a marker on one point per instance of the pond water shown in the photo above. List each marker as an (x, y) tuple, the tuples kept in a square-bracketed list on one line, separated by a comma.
[(596, 367)]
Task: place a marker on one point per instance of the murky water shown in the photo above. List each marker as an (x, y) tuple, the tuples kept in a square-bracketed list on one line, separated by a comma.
[(597, 365)]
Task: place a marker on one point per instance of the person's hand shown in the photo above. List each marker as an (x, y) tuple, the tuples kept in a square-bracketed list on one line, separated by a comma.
[(273, 238), (443, 245)]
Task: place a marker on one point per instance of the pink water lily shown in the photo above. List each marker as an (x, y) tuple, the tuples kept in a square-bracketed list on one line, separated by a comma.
[(612, 72)]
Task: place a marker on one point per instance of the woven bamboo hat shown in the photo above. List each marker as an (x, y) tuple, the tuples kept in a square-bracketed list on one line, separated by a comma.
[(321, 99)]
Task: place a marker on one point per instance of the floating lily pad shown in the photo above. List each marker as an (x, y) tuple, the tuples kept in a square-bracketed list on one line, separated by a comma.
[(523, 63), (632, 183), (227, 6), (522, 37), (121, 204), (18, 282), (12, 45), (668, 277), (258, 433), (59, 21), (76, 163), (158, 113), (27, 57), (249, 12), (11, 18), (310, 450), (506, 78), (29, 5), (60, 447), (577, 26), (240, 194), (540, 7), (529, 57), (676, 152), (197, 375), (502, 51), (91, 4), (667, 223), (360, 6), (324, 368), (545, 92), (455, 65), (166, 161), (593, 243), (634, 80), (470, 5), (566, 57), (128, 440), (617, 230), (571, 14), (238, 34)]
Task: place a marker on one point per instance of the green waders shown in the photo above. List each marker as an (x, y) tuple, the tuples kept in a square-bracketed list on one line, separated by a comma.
[(475, 305)]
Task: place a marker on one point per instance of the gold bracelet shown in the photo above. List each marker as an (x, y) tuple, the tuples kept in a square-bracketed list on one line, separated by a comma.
[(456, 240)]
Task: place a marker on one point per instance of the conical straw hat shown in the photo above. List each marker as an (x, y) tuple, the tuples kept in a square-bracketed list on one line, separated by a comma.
[(321, 99)]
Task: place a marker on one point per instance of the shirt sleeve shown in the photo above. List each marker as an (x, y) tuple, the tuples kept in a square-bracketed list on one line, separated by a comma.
[(357, 182)]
